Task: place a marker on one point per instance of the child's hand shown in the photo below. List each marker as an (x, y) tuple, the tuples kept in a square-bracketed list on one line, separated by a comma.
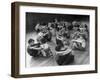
[(41, 48)]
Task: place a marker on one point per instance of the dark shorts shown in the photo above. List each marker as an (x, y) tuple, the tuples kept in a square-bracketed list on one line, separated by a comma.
[(59, 42), (65, 59), (33, 52)]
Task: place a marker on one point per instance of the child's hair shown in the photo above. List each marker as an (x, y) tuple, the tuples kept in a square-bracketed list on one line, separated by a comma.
[(58, 47), (30, 40), (70, 26), (76, 23)]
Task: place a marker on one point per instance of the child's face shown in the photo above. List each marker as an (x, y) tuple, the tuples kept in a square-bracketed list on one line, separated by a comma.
[(75, 28), (44, 30), (81, 37), (65, 41), (32, 43), (82, 30)]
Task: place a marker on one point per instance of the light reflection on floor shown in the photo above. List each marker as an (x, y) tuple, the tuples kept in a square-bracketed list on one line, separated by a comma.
[(81, 57)]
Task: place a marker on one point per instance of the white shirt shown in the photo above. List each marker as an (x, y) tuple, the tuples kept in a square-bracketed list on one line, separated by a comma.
[(45, 46)]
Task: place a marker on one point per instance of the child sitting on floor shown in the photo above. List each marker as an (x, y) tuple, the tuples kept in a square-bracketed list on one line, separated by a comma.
[(79, 43), (46, 50), (84, 31), (64, 53), (34, 49)]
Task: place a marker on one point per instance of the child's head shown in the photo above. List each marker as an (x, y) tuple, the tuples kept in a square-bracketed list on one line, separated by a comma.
[(75, 25), (81, 36), (82, 28), (31, 41), (66, 42)]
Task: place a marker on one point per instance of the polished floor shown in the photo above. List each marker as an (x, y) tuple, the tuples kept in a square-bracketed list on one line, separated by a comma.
[(81, 57)]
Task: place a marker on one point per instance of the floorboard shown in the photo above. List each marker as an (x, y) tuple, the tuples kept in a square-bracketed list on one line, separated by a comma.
[(81, 57)]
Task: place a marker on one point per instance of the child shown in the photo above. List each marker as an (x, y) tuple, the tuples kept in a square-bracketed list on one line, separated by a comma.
[(45, 34), (84, 31), (64, 54), (34, 49), (46, 50), (59, 39), (79, 43), (42, 39)]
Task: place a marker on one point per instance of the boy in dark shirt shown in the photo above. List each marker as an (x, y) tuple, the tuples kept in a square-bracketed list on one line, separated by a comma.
[(34, 49), (64, 53)]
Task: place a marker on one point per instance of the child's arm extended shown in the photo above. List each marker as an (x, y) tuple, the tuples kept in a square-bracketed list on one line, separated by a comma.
[(63, 52), (78, 40), (36, 48)]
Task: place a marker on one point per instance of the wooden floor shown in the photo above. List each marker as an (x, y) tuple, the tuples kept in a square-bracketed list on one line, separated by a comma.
[(81, 57)]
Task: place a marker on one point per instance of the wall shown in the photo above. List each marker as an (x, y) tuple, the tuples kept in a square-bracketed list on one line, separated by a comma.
[(5, 40)]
